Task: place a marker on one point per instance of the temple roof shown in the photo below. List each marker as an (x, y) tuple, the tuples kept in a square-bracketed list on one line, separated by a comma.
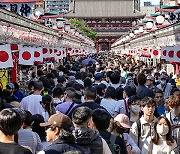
[(103, 8)]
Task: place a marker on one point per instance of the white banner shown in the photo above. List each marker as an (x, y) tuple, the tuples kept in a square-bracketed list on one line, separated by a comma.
[(26, 56), (5, 56), (38, 55)]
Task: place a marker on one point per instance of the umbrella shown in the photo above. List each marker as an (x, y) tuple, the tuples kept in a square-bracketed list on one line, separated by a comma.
[(88, 60)]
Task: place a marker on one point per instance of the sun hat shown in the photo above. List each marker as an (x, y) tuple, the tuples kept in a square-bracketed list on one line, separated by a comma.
[(123, 120)]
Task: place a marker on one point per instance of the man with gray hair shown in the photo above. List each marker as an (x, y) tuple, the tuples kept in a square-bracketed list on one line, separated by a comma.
[(68, 104)]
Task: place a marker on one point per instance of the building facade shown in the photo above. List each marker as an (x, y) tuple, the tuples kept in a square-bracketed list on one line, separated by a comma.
[(171, 2), (148, 8), (109, 18), (60, 6)]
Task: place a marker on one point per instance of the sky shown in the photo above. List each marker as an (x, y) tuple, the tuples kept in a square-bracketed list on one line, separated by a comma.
[(154, 2)]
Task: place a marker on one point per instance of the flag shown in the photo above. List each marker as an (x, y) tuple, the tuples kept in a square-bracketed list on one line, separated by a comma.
[(5, 56), (26, 56), (38, 55)]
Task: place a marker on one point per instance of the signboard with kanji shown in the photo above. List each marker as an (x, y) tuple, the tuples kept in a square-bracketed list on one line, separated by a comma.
[(23, 9)]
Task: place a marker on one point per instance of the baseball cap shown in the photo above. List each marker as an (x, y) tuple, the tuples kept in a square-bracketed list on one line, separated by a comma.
[(71, 79), (150, 77), (10, 85), (123, 120), (59, 120)]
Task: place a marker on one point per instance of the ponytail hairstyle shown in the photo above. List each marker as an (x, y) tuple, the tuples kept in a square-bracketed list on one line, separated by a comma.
[(47, 101)]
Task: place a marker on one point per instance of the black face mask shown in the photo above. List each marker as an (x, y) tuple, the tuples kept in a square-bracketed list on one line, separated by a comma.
[(122, 130)]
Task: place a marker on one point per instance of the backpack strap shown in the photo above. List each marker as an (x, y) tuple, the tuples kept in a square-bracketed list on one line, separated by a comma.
[(139, 131), (126, 106), (113, 139), (69, 108)]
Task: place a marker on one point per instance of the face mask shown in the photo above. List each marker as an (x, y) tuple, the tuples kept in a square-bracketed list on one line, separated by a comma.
[(122, 130), (162, 129), (135, 109), (163, 81), (175, 112)]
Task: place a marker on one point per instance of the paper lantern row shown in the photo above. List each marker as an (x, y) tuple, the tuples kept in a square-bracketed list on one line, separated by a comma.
[(28, 55)]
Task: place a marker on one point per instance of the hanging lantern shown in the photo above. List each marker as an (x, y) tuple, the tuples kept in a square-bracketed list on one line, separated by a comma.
[(141, 29), (60, 24), (136, 31), (131, 34), (160, 19), (149, 25)]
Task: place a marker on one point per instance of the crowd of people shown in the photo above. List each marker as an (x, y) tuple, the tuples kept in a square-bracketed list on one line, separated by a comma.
[(111, 105)]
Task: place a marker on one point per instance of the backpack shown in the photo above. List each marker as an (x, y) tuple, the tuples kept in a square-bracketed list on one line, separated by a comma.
[(115, 148)]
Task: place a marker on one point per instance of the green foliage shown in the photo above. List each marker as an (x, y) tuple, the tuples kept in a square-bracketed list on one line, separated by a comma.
[(81, 25)]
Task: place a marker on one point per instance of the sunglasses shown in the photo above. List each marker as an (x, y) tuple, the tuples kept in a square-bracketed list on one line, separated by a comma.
[(47, 127)]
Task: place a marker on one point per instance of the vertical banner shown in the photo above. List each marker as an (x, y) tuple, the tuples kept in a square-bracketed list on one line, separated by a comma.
[(156, 53), (26, 56), (38, 55), (164, 52), (5, 56), (177, 54)]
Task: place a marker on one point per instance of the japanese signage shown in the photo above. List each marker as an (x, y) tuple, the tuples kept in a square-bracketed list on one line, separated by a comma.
[(23, 9)]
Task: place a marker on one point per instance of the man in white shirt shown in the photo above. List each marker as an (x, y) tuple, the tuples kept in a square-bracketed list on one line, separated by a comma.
[(31, 103)]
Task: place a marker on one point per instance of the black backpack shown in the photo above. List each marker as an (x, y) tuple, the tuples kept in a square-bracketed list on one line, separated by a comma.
[(115, 148)]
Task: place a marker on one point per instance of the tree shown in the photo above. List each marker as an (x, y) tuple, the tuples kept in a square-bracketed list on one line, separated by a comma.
[(81, 25)]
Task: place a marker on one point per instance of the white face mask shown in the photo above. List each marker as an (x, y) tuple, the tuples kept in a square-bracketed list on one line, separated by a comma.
[(162, 129), (135, 109)]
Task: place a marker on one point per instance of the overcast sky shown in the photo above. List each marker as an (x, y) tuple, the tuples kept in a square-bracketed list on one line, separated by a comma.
[(154, 2)]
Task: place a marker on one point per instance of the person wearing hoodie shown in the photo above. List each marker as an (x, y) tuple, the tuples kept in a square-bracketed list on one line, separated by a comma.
[(84, 134)]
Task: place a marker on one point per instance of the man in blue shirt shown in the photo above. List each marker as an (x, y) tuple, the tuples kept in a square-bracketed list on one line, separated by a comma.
[(159, 102)]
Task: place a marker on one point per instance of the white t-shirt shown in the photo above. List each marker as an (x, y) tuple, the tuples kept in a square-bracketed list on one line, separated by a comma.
[(32, 104), (162, 148)]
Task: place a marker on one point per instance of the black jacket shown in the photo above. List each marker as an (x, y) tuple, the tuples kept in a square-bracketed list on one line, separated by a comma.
[(89, 138), (60, 146), (120, 141)]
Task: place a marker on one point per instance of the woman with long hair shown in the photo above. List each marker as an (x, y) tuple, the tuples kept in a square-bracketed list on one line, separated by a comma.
[(162, 141), (48, 106), (35, 121)]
